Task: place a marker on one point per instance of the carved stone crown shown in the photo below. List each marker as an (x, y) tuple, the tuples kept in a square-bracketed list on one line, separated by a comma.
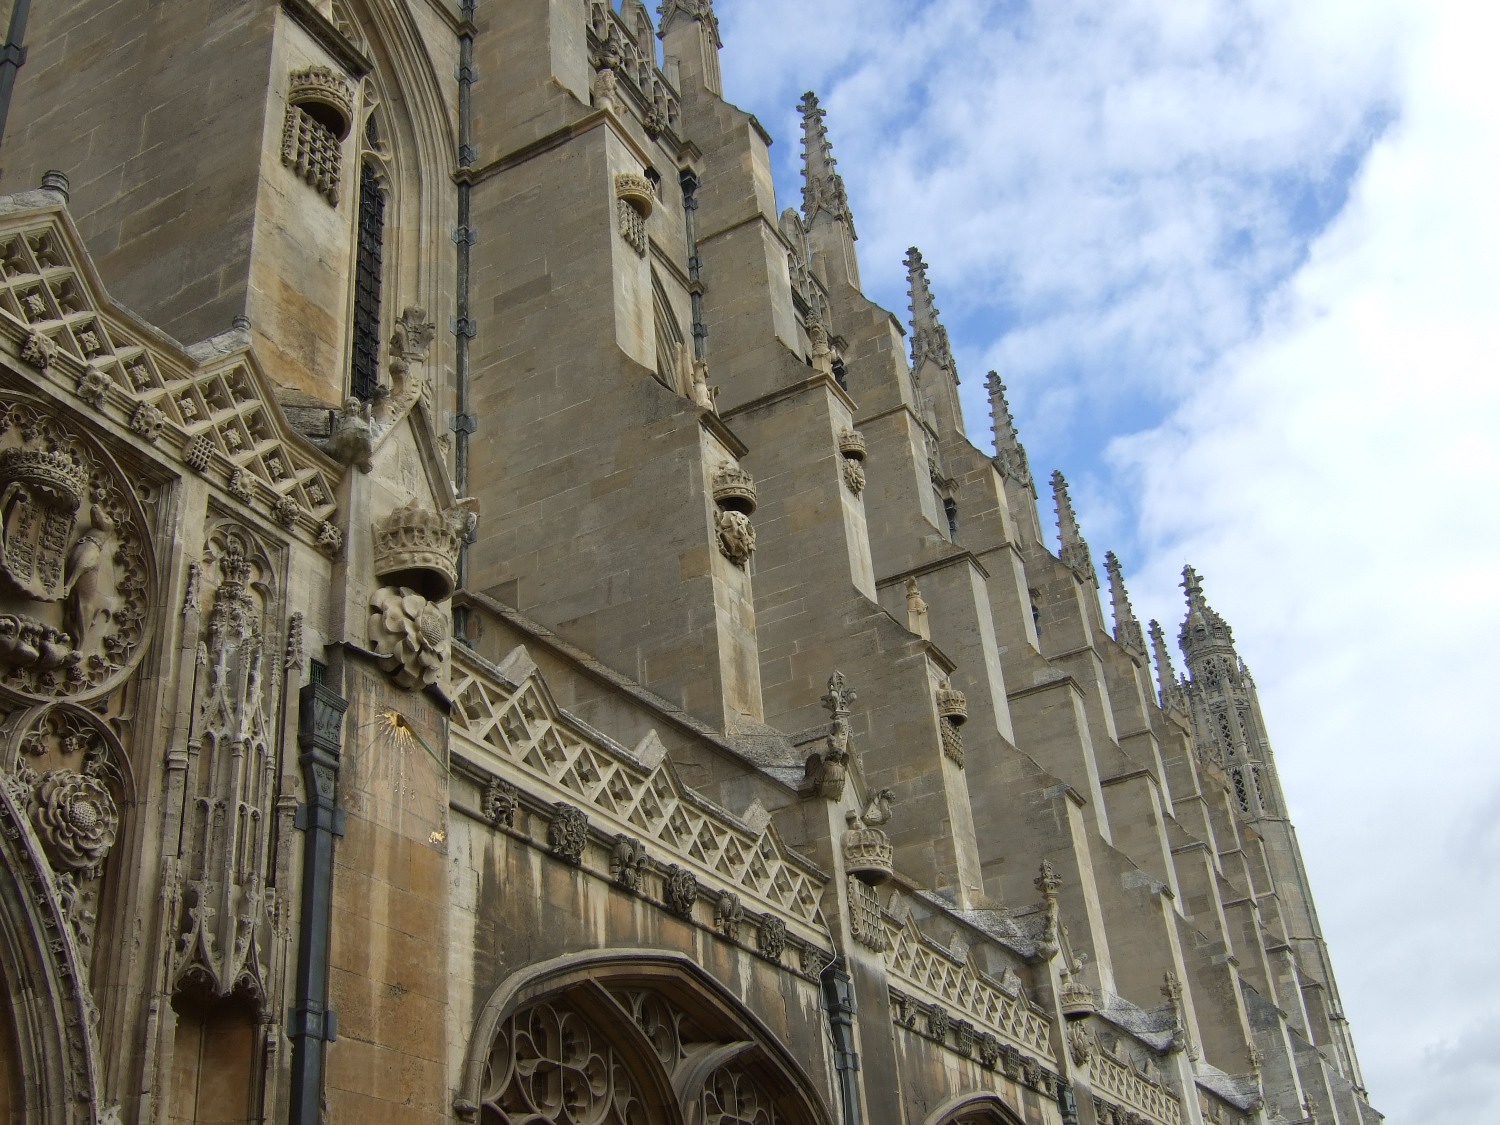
[(637, 191), (318, 85), (867, 855), (55, 477), (418, 548), (1077, 999), (734, 490), (852, 444), (951, 704)]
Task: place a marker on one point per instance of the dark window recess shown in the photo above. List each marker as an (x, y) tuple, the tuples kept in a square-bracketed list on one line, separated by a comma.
[(950, 509), (365, 368)]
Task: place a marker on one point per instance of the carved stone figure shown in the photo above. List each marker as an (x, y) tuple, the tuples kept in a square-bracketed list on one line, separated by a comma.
[(353, 438), (412, 633)]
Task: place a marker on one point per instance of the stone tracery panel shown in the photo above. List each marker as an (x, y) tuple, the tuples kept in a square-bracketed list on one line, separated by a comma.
[(552, 1064)]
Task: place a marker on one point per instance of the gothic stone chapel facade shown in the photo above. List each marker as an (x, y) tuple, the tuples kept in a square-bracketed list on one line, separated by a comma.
[(495, 626)]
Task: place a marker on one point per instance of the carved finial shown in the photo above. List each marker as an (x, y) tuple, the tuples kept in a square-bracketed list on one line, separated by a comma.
[(1166, 676), (1049, 883), (822, 187), (840, 697), (916, 609), (1010, 455), (929, 339), (1127, 628), (1074, 551)]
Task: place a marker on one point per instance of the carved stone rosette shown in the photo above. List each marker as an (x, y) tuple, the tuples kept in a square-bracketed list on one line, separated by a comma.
[(64, 771), (75, 561), (411, 633)]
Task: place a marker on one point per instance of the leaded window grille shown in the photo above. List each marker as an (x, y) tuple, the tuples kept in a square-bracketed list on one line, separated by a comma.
[(365, 363)]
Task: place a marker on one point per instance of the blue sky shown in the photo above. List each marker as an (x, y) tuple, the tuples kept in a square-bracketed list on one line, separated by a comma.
[(1239, 263)]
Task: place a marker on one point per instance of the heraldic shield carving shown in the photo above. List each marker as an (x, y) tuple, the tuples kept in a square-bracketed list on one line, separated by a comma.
[(75, 561)]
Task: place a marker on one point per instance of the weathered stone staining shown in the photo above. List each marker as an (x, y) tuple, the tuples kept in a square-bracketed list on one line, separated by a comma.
[(320, 798)]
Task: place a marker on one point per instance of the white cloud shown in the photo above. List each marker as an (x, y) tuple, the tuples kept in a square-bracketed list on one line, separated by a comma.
[(1335, 478), (1115, 199)]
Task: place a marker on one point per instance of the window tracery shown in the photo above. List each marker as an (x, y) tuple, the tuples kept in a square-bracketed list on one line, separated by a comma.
[(632, 1041)]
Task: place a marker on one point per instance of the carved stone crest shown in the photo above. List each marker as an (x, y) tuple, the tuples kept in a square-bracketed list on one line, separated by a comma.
[(728, 913), (626, 861), (937, 1022), (74, 561)]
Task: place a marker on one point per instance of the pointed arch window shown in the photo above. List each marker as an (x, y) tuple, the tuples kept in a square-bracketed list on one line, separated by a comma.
[(365, 366)]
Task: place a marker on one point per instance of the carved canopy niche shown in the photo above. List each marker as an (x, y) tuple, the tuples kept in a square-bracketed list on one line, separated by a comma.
[(628, 1038)]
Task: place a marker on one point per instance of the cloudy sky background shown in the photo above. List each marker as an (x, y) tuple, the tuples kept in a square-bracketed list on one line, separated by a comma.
[(1239, 263)]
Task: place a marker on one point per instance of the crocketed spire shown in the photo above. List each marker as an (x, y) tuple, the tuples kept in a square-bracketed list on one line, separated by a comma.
[(822, 186), (929, 339), (1127, 628), (1166, 675), (1074, 551), (1010, 454), (1203, 631)]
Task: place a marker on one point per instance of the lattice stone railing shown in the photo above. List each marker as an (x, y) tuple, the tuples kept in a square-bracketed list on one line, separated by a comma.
[(936, 976), (211, 416), (1119, 1082), (637, 65), (520, 726)]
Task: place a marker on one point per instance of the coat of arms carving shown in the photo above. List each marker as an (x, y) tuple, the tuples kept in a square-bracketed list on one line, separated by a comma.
[(74, 561)]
